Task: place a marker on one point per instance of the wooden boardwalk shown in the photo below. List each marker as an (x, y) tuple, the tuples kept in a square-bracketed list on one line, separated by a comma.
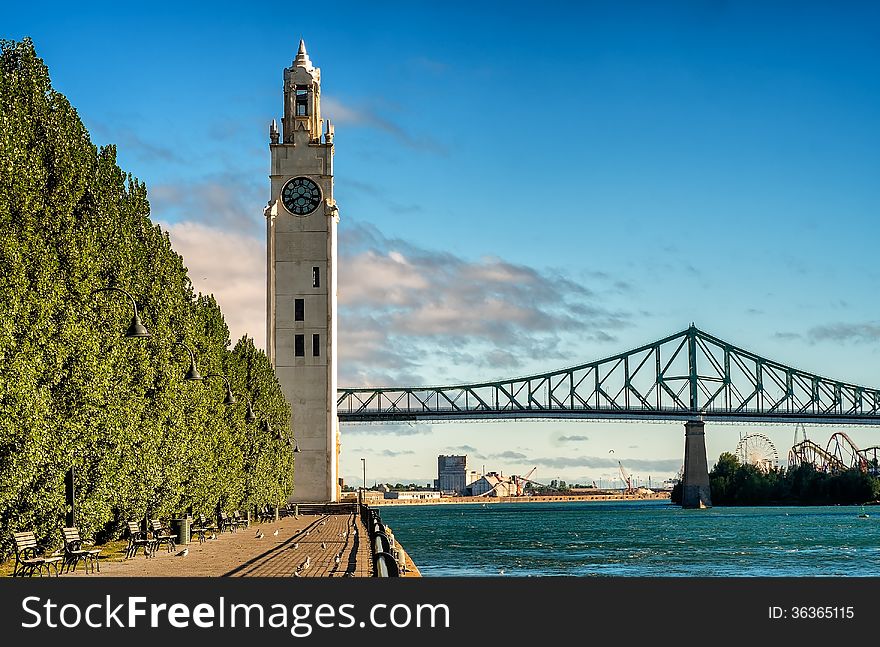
[(333, 545), (295, 546)]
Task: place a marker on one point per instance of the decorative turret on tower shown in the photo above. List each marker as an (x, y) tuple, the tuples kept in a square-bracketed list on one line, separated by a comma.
[(302, 98), (301, 222)]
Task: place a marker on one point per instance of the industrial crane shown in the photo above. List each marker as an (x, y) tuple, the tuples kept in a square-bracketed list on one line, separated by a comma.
[(626, 478), (519, 481)]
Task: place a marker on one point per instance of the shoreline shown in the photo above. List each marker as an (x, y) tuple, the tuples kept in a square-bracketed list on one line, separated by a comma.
[(657, 496)]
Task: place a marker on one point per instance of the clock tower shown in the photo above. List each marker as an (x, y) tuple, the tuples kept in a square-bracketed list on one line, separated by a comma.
[(301, 224)]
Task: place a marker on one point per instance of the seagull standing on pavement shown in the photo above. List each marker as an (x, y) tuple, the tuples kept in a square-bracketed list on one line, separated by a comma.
[(183, 553), (259, 534), (275, 534), (323, 545)]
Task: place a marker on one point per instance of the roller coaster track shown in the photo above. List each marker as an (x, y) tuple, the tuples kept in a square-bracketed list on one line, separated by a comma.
[(841, 454), (809, 452)]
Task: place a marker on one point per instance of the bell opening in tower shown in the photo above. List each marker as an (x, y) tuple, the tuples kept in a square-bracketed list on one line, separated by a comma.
[(302, 101)]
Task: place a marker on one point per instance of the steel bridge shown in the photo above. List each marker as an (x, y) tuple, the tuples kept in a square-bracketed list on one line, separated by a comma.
[(690, 375)]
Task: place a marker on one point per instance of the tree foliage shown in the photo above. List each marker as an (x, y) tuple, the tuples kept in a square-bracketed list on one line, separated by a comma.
[(732, 483), (73, 391)]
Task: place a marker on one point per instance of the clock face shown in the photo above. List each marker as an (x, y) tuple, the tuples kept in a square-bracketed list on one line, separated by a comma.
[(301, 196)]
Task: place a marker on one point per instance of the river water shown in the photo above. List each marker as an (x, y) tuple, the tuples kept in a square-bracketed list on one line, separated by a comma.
[(636, 539)]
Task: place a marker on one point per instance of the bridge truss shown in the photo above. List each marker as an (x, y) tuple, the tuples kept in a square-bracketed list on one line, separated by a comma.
[(685, 376)]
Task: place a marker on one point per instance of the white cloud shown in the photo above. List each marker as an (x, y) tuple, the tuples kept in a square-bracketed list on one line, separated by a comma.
[(407, 313), (232, 267)]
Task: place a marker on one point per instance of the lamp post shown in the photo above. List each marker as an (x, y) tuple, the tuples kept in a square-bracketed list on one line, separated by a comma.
[(249, 415), (136, 329), (230, 398), (192, 374), (363, 493)]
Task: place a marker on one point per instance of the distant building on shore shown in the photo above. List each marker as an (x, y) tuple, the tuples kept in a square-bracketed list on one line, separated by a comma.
[(493, 484), (412, 495), (451, 474)]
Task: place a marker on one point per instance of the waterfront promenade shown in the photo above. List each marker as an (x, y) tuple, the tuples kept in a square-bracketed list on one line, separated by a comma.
[(319, 545)]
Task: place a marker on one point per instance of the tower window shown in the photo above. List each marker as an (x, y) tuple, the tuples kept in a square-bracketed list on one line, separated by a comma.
[(298, 310), (299, 345), (316, 277), (316, 345), (302, 100)]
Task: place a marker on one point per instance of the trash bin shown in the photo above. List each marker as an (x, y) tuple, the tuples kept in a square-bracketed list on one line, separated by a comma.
[(180, 527)]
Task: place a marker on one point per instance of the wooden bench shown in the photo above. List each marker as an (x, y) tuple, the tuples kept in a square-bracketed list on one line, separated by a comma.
[(74, 553), (266, 513), (138, 538), (227, 522), (27, 561), (201, 527), (161, 536), (239, 520)]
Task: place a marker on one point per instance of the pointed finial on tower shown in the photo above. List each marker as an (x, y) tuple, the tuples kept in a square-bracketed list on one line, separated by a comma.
[(302, 56)]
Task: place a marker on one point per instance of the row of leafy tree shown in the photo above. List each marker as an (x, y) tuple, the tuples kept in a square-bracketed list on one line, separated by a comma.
[(73, 391), (732, 483)]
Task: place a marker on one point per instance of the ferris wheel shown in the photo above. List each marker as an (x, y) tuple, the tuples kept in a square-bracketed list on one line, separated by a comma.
[(757, 450)]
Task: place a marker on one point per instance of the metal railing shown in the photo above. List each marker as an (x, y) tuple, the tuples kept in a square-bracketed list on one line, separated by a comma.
[(381, 544)]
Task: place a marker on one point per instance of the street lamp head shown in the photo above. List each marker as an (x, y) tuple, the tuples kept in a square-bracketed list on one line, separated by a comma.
[(136, 328), (229, 399), (192, 374), (250, 416), (267, 427)]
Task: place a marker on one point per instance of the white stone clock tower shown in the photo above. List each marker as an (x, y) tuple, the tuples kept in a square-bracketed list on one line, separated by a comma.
[(301, 224)]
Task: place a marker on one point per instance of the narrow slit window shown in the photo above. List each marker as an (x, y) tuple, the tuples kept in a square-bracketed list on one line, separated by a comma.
[(298, 310), (316, 277), (316, 345), (299, 346)]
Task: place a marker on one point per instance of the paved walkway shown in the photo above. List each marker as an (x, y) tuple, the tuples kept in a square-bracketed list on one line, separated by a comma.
[(323, 545)]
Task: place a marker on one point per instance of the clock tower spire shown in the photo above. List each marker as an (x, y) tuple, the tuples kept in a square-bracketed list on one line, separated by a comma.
[(301, 221)]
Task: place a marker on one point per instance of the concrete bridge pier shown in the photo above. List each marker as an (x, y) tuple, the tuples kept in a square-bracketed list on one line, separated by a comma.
[(695, 480)]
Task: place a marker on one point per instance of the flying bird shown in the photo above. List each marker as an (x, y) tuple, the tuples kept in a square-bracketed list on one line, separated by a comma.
[(183, 553)]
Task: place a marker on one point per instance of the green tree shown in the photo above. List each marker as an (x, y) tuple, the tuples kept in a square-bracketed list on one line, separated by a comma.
[(73, 392)]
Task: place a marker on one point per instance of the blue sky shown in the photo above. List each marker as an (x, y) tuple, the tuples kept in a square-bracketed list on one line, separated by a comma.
[(521, 187)]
